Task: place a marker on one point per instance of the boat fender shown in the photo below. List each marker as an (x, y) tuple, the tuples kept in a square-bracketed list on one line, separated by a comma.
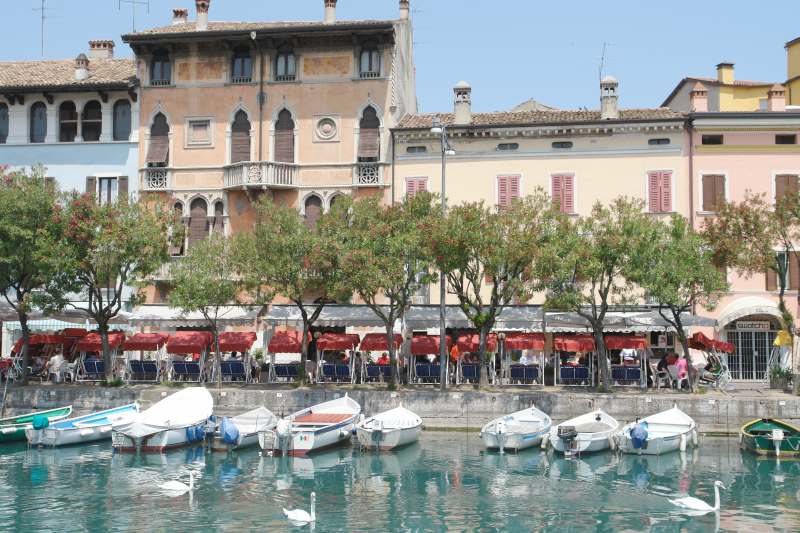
[(694, 438), (683, 442), (639, 436), (40, 422), (545, 441)]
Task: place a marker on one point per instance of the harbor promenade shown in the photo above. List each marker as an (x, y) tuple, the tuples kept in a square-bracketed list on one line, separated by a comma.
[(457, 409)]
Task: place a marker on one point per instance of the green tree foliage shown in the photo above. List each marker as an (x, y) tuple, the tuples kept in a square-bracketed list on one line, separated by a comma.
[(284, 256), (745, 235), (384, 254), (207, 281), (585, 267), (32, 253), (112, 246), (677, 269), (490, 256)]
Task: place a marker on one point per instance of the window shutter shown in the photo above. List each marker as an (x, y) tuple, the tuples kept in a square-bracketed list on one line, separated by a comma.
[(422, 184), (568, 194), (284, 146), (198, 222), (502, 191), (785, 185), (719, 191), (558, 199), (240, 147), (50, 182), (794, 272), (122, 188), (158, 150), (666, 192), (411, 187), (653, 196), (513, 188), (368, 143), (713, 192), (772, 280), (91, 185)]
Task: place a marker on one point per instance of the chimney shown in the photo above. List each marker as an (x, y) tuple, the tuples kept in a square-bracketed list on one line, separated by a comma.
[(609, 109), (202, 14), (81, 67), (698, 98), (330, 11), (776, 98), (404, 9), (725, 73), (180, 15), (462, 106), (101, 49)]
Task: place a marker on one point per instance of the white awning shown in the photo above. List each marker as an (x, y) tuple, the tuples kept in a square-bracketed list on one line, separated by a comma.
[(167, 317)]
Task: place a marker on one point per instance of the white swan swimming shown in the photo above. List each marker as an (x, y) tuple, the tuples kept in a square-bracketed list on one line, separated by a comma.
[(176, 488), (695, 504), (301, 516)]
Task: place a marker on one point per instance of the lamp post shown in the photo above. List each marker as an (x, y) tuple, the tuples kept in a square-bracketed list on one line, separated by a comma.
[(437, 128)]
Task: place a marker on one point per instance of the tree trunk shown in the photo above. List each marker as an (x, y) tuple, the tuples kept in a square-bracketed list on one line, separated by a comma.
[(107, 360), (392, 354), (484, 367), (217, 358), (679, 330), (304, 353), (602, 359), (26, 347)]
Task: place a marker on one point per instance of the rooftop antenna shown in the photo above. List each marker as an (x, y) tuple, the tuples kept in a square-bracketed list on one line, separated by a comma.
[(133, 4), (602, 61), (43, 9)]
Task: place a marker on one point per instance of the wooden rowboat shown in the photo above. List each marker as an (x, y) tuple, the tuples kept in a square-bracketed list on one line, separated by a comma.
[(770, 436), (13, 428)]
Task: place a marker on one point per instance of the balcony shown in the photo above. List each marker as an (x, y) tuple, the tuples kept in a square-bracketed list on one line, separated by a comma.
[(155, 179), (261, 173), (164, 273), (368, 174)]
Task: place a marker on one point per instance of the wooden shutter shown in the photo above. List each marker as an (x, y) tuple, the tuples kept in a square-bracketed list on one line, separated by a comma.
[(513, 188), (713, 192), (122, 188), (284, 137), (558, 196), (785, 185), (369, 143), (240, 138), (415, 185), (158, 150), (502, 191), (653, 191), (772, 280), (198, 221), (665, 185), (91, 185), (794, 272), (568, 193)]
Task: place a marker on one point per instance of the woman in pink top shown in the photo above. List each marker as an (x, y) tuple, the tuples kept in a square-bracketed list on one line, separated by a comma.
[(683, 366)]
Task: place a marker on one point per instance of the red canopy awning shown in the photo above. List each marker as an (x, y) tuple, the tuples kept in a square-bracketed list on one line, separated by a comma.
[(427, 344), (287, 342), (74, 332), (622, 342), (699, 341), (149, 342), (38, 339), (524, 341), (93, 343), (189, 342), (376, 342), (574, 343), (338, 341), (236, 341), (471, 342)]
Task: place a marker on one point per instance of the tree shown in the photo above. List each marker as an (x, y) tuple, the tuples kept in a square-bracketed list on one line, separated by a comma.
[(489, 256), (677, 269), (745, 236), (112, 247), (32, 267), (206, 281), (285, 256), (384, 255), (585, 267)]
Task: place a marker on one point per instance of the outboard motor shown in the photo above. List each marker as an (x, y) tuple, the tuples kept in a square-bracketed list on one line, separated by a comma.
[(639, 436), (283, 434), (500, 429), (569, 436)]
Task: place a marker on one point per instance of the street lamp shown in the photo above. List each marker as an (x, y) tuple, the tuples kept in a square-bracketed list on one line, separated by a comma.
[(437, 128)]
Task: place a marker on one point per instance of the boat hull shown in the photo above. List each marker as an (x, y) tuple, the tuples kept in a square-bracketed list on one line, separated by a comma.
[(656, 446), (157, 442), (218, 444), (756, 437), (593, 432), (513, 441), (583, 443), (302, 443), (387, 439), (55, 437), (12, 429)]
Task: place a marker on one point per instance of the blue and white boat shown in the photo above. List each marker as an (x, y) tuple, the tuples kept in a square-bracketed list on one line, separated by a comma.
[(81, 429), (517, 431)]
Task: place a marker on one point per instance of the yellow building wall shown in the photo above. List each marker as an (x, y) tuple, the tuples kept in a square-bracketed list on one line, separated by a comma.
[(738, 98)]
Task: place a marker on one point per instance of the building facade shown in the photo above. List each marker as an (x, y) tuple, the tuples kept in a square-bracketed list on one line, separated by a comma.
[(75, 118)]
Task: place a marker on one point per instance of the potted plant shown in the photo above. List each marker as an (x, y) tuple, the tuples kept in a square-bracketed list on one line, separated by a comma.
[(780, 378)]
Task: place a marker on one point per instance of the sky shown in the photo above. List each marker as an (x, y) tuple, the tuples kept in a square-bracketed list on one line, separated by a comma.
[(508, 50)]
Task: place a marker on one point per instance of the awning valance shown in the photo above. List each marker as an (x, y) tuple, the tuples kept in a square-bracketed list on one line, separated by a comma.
[(38, 340), (699, 341), (573, 343), (622, 342), (524, 341), (162, 316), (94, 343), (427, 344), (188, 342), (287, 342), (376, 342), (471, 342), (236, 341), (338, 341), (148, 342)]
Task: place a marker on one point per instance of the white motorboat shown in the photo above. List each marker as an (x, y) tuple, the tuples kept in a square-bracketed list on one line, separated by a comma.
[(389, 429), (517, 431), (662, 432), (177, 420), (81, 429), (242, 431), (314, 428), (591, 432)]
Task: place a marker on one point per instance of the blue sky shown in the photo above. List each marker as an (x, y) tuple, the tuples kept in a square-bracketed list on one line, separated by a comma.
[(509, 50)]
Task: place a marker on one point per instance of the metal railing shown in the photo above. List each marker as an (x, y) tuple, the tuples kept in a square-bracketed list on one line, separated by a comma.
[(367, 174), (261, 173), (367, 74), (242, 79), (155, 179), (160, 83), (286, 77)]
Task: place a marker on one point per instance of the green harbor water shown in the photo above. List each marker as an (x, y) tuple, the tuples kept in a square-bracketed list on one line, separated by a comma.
[(446, 482)]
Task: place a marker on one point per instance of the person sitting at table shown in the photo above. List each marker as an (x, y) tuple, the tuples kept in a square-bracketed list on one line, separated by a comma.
[(712, 369), (527, 358), (573, 359), (54, 366), (683, 366), (666, 360), (628, 356), (455, 353), (383, 359)]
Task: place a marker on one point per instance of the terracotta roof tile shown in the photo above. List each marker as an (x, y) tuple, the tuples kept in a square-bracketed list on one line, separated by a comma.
[(57, 74), (190, 27), (525, 118), (741, 83)]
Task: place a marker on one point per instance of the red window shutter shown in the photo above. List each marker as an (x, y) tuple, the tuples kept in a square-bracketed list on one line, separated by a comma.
[(513, 188), (569, 194), (653, 196), (666, 192), (502, 191), (422, 184), (411, 187), (558, 199)]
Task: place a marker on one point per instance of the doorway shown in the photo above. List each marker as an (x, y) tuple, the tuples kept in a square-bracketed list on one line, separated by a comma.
[(753, 337)]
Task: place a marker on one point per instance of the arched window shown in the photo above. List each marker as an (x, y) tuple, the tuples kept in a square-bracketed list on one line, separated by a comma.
[(3, 123), (285, 66), (313, 207), (333, 200), (160, 68), (240, 138), (158, 151), (370, 62), (242, 67), (198, 221), (219, 220), (91, 121), (38, 122), (122, 120), (369, 136), (284, 137), (67, 122), (176, 241)]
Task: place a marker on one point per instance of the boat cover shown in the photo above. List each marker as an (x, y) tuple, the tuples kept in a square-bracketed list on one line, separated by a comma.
[(182, 409)]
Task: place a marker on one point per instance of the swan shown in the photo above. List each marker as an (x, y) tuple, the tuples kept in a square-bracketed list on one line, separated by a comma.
[(301, 516), (176, 488), (694, 504)]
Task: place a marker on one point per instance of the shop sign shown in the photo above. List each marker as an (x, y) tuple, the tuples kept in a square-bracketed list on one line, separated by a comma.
[(754, 325)]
